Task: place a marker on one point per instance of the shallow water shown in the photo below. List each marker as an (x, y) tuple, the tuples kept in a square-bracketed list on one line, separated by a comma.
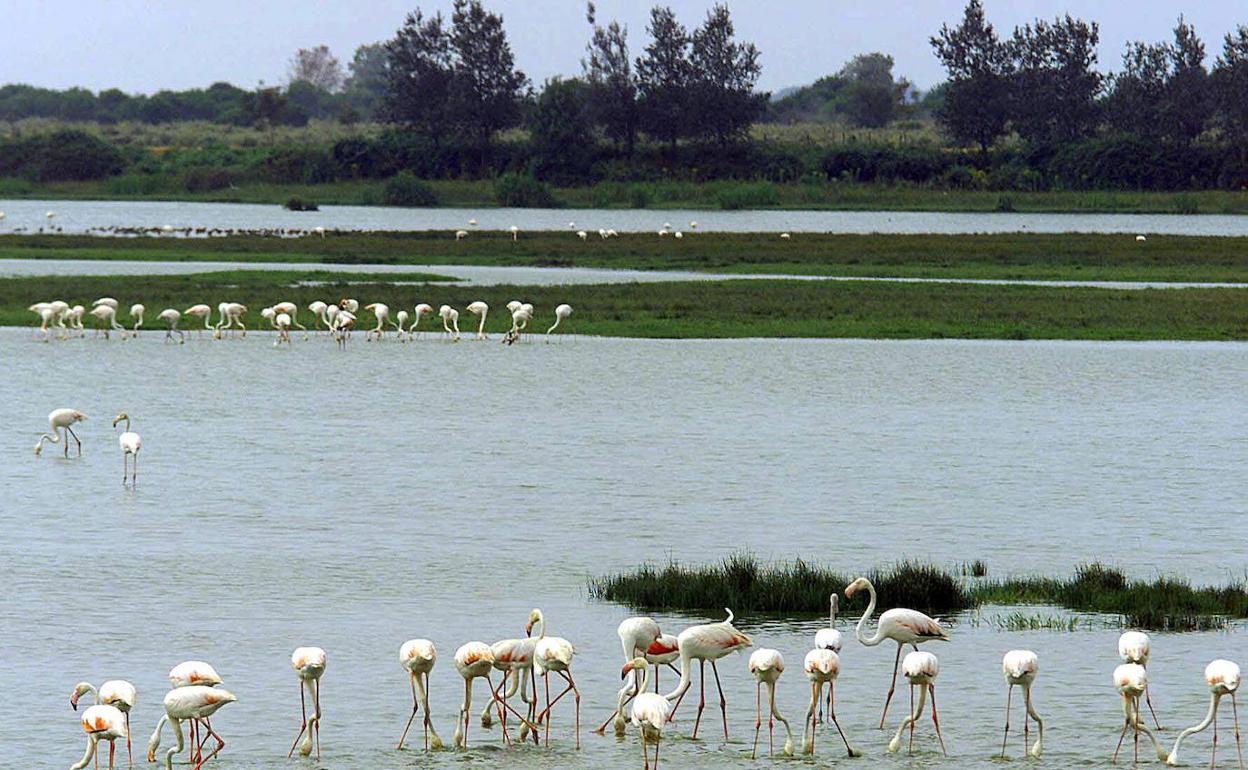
[(78, 216), (356, 499)]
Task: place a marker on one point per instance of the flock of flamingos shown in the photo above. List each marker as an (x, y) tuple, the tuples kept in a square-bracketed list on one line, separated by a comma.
[(196, 694), (60, 320)]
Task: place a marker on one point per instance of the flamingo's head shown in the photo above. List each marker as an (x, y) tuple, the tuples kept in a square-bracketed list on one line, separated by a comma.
[(634, 664), (535, 617), (119, 418), (855, 587), (80, 689), (79, 416)]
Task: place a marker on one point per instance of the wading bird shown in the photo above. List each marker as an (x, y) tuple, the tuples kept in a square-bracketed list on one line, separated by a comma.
[(117, 693), (136, 315), (417, 657), (317, 309), (636, 635), (1020, 668), (61, 420), (101, 723), (561, 314), (481, 309), (554, 653), (309, 665), (822, 666), (1131, 681), (195, 703), (231, 314), (381, 312), (650, 711), (1135, 647), (130, 444), (920, 669), (767, 665), (47, 316), (400, 324), (74, 317), (171, 317), (107, 315), (473, 661), (829, 639), (1222, 677), (420, 311), (515, 233), (292, 310), (282, 324), (901, 625), (450, 318), (711, 641), (514, 658), (200, 311), (461, 234)]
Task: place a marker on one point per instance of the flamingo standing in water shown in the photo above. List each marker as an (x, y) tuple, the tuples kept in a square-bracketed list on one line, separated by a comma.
[(481, 309), (514, 658), (309, 665), (420, 311), (920, 669), (1131, 681), (901, 625), (136, 315), (130, 444), (450, 317), (554, 653), (73, 318), (117, 693), (101, 723), (473, 661), (767, 665), (822, 666), (107, 315), (61, 420), (292, 310), (1020, 668), (191, 673), (418, 657), (650, 711), (200, 311), (561, 314), (47, 316), (195, 703), (1222, 677), (171, 317), (382, 313), (231, 314), (317, 309), (400, 324), (1135, 647), (282, 324), (829, 639), (636, 635), (711, 641)]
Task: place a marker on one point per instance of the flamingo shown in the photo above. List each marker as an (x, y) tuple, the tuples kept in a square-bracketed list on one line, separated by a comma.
[(554, 653), (1020, 668), (111, 302), (382, 312), (130, 444), (902, 625), (117, 693), (74, 316), (171, 317), (450, 317), (920, 669), (292, 310), (520, 318), (785, 236), (231, 313), (1222, 677), (636, 635), (472, 222), (107, 316), (461, 234), (58, 420), (350, 305), (46, 317), (344, 322), (711, 641), (561, 314), (400, 324), (1135, 647), (678, 235), (190, 673), (200, 311), (282, 323), (309, 665), (830, 639), (101, 723), (767, 665), (1131, 681), (514, 657), (481, 309), (822, 666), (317, 309), (582, 235), (195, 703), (421, 310), (515, 233), (136, 315), (418, 656), (650, 711), (473, 660)]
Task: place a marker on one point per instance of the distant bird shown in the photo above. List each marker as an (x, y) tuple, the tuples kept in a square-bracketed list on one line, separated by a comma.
[(200, 311), (582, 235), (73, 318), (461, 234), (136, 315), (921, 669), (1140, 238), (1136, 647), (107, 315), (166, 229), (473, 661), (1222, 677), (317, 309), (381, 312), (350, 305), (292, 310), (418, 657), (195, 703), (231, 315), (114, 304), (678, 235), (101, 723), (309, 665), (554, 653), (650, 711), (1131, 681), (282, 324), (822, 666), (1020, 668), (400, 324), (47, 317), (117, 693), (190, 673), (693, 225), (561, 313), (481, 309), (421, 311), (472, 222), (61, 420), (830, 639), (319, 231), (130, 444), (602, 233), (785, 236), (901, 625), (171, 317), (515, 233), (766, 665), (50, 215), (450, 318), (710, 641)]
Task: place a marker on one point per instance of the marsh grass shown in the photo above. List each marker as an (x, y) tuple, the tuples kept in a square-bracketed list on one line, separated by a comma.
[(745, 584)]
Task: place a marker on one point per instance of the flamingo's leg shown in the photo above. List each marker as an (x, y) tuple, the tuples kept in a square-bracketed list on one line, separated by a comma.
[(1008, 694), (758, 716), (1148, 698), (701, 700), (892, 687), (415, 706), (723, 702), (931, 688), (303, 712), (832, 715)]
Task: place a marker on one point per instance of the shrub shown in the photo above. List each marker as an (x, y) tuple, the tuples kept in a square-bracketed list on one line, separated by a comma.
[(638, 197), (295, 203), (66, 155), (522, 191), (209, 179), (747, 196), (404, 189)]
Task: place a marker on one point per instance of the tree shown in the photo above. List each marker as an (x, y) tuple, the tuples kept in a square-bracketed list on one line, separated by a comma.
[(872, 97), (1163, 91), (663, 75), (562, 132), (1230, 78), (264, 107), (1055, 85), (975, 107), (418, 76), (316, 66), (723, 75), (612, 90), (486, 87), (1189, 101), (366, 86)]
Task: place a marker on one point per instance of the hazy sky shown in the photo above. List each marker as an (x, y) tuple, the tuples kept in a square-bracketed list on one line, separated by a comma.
[(146, 45)]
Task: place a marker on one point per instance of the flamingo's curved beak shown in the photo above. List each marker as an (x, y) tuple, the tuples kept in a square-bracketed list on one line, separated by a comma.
[(528, 629), (628, 669), (73, 701), (850, 590)]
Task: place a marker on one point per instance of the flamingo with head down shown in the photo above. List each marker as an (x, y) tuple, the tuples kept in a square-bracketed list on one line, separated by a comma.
[(708, 642)]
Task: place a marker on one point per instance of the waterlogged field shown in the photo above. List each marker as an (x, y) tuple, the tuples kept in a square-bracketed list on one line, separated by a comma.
[(356, 499)]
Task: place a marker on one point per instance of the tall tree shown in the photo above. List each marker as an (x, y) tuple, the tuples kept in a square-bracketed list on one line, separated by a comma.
[(418, 76), (316, 66), (723, 76), (1056, 85), (975, 107), (1230, 77), (562, 131), (1163, 91), (1189, 96), (872, 96), (365, 87), (663, 75), (486, 87), (609, 73)]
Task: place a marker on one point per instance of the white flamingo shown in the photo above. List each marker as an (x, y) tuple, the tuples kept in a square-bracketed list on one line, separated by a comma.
[(1020, 668), (107, 315), (1222, 678), (101, 723), (822, 666), (636, 635), (711, 641), (292, 310), (130, 444), (171, 317), (450, 318), (650, 711), (1135, 647), (473, 660), (419, 312), (200, 311), (117, 693), (766, 665), (195, 703), (317, 309), (282, 324), (921, 669), (400, 324), (1131, 681), (561, 314), (136, 315), (61, 420), (480, 309), (381, 312), (418, 657), (309, 666)]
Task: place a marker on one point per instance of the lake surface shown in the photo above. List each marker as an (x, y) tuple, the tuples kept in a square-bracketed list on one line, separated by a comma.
[(355, 499), (80, 216)]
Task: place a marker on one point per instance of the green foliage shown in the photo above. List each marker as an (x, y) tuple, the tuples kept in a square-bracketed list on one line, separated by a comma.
[(67, 154), (295, 203), (742, 195), (523, 191), (404, 189)]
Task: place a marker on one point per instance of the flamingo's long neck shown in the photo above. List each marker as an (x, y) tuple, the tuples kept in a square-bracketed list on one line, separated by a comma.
[(86, 758), (154, 742), (645, 678), (686, 676), (1213, 708), (862, 622), (552, 328), (481, 326)]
